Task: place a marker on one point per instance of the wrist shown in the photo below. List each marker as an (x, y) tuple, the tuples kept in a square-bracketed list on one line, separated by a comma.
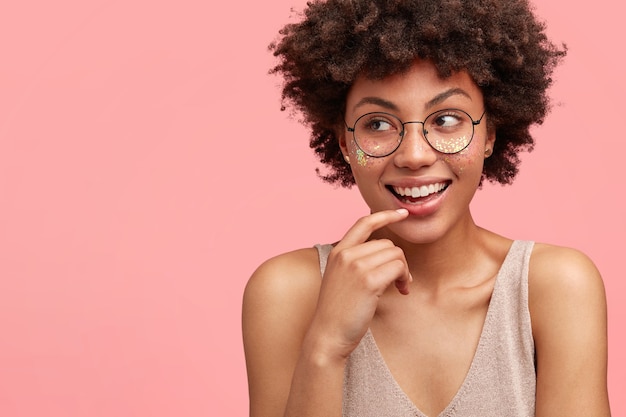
[(323, 350)]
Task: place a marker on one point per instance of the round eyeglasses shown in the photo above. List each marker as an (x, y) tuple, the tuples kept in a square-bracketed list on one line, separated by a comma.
[(447, 131)]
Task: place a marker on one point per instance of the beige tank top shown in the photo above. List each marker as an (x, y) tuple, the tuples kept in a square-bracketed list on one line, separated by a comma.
[(501, 380)]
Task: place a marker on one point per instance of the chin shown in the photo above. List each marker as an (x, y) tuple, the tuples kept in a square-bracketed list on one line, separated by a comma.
[(415, 234)]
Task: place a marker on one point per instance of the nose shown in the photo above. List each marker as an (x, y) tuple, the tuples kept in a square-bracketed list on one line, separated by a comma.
[(414, 151)]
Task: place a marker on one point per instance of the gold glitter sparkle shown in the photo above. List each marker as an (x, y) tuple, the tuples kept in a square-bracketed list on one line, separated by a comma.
[(361, 158), (452, 145)]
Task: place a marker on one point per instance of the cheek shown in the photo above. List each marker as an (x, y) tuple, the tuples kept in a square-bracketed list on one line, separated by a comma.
[(470, 158), (361, 159)]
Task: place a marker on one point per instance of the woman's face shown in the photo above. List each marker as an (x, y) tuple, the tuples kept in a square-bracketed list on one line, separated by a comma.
[(435, 187)]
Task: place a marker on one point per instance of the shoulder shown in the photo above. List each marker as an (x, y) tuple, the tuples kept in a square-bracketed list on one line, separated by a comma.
[(562, 270), (285, 275), (566, 291), (283, 291)]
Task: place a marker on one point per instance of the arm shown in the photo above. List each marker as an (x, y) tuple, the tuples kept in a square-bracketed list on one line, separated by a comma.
[(568, 310), (299, 329), (278, 304)]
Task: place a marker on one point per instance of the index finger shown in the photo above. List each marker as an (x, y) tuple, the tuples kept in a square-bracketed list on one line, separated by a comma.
[(365, 226)]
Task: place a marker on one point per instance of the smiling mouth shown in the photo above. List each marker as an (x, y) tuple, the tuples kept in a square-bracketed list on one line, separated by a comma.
[(417, 194)]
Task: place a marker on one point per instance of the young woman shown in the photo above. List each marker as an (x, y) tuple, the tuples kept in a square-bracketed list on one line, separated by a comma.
[(418, 311)]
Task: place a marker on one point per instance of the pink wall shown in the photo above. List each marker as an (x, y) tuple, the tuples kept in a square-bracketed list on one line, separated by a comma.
[(146, 170)]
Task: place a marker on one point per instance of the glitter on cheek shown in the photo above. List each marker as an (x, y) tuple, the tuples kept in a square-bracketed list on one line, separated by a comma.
[(452, 160), (356, 153), (451, 145), (361, 158), (461, 160)]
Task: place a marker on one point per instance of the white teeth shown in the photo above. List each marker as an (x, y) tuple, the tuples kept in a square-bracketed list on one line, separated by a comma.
[(422, 191)]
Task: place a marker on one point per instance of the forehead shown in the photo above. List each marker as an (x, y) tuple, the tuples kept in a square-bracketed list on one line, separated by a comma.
[(420, 85)]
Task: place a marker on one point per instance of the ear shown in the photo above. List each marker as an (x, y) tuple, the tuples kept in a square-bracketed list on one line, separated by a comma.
[(340, 133), (490, 141)]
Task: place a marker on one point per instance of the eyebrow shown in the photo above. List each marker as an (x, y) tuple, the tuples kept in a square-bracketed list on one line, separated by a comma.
[(377, 101), (439, 98)]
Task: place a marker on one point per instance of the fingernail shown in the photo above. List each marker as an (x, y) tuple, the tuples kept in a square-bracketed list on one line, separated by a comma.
[(402, 211)]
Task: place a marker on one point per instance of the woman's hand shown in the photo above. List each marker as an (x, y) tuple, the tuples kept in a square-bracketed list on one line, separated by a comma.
[(358, 272)]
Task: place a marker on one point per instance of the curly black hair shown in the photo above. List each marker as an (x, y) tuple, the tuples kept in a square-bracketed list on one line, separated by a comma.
[(500, 43)]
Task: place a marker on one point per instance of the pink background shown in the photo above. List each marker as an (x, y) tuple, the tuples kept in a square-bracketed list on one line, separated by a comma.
[(146, 170)]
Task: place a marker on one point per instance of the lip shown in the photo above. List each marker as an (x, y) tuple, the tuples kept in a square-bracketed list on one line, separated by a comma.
[(424, 206)]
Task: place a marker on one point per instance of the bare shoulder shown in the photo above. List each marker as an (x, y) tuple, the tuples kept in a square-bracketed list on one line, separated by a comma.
[(562, 281), (561, 270), (287, 278), (278, 304), (283, 291)]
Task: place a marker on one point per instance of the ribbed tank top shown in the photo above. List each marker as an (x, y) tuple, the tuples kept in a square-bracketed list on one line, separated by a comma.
[(501, 380)]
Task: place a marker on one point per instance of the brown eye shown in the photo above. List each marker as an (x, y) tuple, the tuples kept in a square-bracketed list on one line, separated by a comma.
[(446, 120), (379, 125)]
